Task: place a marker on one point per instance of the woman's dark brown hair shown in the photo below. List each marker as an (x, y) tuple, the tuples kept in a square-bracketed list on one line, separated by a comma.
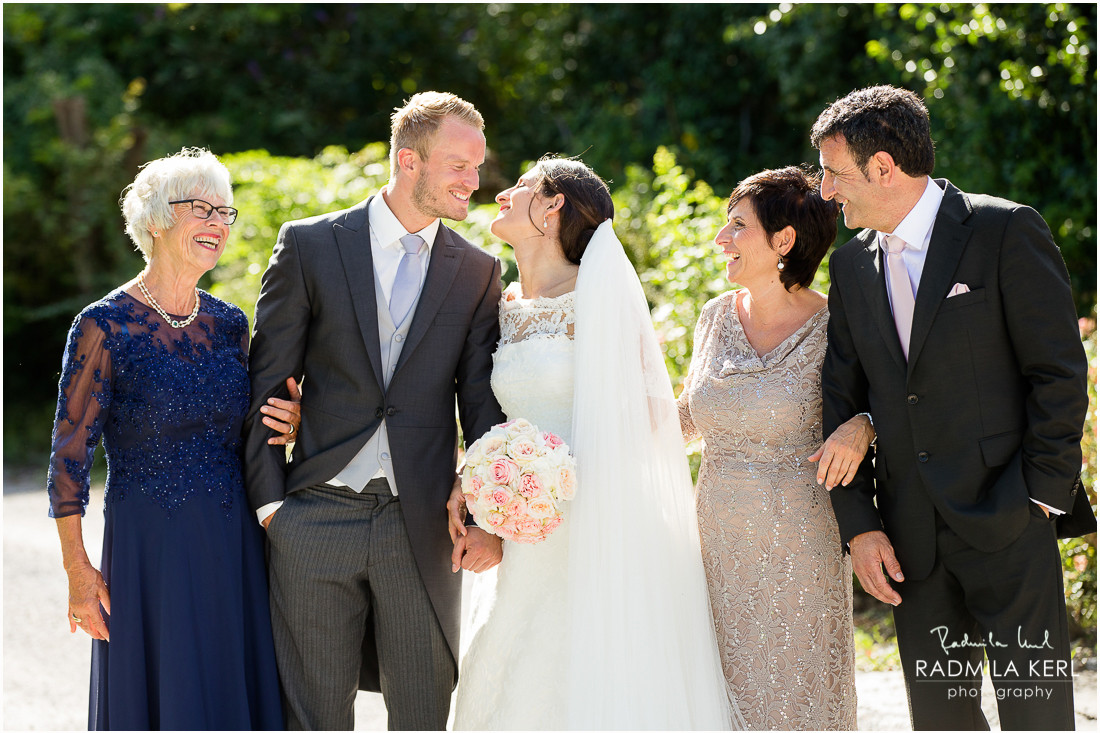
[(587, 201), (791, 196)]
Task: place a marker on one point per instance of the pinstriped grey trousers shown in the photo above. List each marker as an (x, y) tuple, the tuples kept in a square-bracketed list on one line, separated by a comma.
[(337, 561)]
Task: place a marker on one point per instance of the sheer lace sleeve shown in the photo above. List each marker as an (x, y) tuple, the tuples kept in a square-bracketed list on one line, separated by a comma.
[(702, 331), (83, 398), (245, 339), (687, 427)]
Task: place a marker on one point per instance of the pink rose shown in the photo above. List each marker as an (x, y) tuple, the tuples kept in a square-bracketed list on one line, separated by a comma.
[(552, 441), (491, 446), (551, 523), (541, 508), (519, 428), (503, 471), (495, 519), (523, 450), (472, 486), (567, 483), (514, 508), (502, 497), (528, 526), (507, 530), (529, 485)]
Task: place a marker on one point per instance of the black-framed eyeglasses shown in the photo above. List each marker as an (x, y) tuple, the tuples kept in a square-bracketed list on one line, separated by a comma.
[(203, 210)]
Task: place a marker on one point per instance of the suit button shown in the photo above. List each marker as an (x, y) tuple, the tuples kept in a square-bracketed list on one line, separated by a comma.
[(399, 338), (923, 456), (390, 411), (378, 412), (912, 399)]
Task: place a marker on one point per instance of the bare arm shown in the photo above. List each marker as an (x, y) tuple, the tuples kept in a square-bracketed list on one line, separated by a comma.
[(86, 587)]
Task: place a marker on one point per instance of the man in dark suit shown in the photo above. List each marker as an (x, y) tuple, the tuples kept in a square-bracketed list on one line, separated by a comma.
[(952, 325), (388, 316)]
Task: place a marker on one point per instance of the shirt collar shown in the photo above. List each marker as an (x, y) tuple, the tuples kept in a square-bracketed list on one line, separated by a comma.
[(916, 227), (388, 230)]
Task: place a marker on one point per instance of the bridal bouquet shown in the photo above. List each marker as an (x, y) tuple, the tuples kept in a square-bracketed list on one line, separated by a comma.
[(515, 479)]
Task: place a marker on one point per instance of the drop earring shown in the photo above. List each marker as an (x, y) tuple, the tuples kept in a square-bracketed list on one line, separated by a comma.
[(781, 265)]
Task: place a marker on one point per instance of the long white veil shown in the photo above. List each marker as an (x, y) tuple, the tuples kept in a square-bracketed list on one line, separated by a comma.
[(643, 653)]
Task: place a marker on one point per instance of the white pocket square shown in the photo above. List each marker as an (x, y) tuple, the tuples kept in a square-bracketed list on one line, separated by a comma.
[(959, 289)]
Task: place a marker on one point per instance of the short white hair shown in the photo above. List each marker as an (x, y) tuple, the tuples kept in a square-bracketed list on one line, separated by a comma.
[(190, 172)]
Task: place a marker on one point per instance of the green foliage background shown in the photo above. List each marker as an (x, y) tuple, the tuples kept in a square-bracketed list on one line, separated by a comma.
[(673, 103)]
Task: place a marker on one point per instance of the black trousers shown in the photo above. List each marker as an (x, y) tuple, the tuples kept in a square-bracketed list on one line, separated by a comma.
[(1008, 607)]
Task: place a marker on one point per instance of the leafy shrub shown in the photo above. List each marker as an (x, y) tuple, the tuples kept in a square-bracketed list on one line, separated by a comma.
[(1079, 553), (270, 190)]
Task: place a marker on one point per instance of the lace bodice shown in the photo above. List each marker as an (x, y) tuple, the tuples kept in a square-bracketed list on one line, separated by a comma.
[(533, 365), (168, 404)]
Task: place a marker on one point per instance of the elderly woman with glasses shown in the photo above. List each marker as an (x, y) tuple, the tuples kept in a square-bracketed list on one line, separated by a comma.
[(158, 369)]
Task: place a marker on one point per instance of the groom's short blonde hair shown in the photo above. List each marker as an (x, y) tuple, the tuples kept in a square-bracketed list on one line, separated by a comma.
[(414, 125)]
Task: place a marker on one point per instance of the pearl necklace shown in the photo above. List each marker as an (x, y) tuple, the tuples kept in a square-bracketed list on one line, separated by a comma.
[(163, 314)]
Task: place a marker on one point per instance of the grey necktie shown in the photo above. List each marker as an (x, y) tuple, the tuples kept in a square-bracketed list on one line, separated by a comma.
[(407, 283)]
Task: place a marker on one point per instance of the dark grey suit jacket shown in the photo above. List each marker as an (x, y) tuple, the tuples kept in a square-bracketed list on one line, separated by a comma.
[(987, 413), (316, 320)]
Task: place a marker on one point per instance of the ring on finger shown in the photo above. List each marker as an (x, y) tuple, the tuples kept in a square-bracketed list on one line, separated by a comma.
[(291, 431), (77, 618)]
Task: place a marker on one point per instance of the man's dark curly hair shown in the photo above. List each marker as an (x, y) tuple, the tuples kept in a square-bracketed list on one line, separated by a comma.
[(883, 118)]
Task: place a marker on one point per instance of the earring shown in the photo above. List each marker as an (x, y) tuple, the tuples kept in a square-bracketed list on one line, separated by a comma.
[(156, 234), (781, 264), (545, 223)]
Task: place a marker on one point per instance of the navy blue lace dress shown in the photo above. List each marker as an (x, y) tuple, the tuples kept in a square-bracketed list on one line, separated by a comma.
[(183, 555)]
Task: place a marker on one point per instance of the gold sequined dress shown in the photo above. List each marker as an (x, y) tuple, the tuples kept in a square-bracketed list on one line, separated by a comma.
[(780, 584)]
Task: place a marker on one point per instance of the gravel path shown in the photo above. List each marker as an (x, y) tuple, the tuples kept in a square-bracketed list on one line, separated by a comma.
[(46, 668)]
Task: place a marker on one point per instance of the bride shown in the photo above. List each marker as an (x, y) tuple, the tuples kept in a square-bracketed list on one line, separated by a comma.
[(606, 624)]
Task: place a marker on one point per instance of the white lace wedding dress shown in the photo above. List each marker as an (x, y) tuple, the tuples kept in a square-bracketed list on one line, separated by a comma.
[(606, 625), (511, 677)]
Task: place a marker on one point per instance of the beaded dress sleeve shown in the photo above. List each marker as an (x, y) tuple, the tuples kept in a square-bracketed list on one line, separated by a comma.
[(83, 400), (683, 403)]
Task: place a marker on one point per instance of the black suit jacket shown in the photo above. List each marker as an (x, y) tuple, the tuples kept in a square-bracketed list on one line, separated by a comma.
[(987, 413), (316, 320)]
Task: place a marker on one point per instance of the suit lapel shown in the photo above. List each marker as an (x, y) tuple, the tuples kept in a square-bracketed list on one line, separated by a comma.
[(353, 242), (945, 249), (872, 281), (442, 269)]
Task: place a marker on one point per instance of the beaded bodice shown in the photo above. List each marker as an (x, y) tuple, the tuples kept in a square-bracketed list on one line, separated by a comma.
[(168, 404)]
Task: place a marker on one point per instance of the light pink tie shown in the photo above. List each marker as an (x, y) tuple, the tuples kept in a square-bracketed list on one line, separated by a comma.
[(901, 290)]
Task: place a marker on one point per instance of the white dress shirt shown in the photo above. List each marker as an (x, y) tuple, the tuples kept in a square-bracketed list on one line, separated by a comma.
[(916, 230)]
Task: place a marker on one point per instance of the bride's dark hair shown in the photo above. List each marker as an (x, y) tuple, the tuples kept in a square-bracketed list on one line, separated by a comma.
[(587, 201)]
